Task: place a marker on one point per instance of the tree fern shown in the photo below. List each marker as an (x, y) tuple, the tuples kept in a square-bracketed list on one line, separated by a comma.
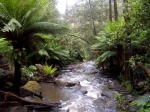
[(19, 21), (106, 55), (12, 25)]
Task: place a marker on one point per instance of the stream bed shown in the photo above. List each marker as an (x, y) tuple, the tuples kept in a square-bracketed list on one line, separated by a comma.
[(81, 88)]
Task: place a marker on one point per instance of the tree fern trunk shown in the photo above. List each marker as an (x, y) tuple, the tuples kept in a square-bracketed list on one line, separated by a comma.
[(17, 65), (17, 77)]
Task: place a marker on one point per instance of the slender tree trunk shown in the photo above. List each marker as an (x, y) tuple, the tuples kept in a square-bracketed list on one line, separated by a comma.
[(115, 10), (110, 11), (111, 58), (66, 11), (92, 18)]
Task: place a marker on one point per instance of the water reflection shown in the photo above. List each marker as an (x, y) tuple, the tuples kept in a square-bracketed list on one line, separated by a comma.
[(53, 93)]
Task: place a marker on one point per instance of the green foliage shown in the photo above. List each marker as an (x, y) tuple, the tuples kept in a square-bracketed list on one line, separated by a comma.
[(53, 49), (4, 45), (109, 39), (29, 71), (139, 24), (120, 98), (12, 25), (20, 20), (81, 18), (127, 85), (105, 56), (49, 70), (141, 105)]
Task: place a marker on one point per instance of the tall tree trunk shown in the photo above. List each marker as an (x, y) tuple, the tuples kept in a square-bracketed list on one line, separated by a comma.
[(119, 46), (127, 43), (115, 10), (111, 58), (110, 11), (92, 19)]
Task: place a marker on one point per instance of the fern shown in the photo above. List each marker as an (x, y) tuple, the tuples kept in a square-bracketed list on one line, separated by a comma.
[(49, 70), (142, 105), (12, 25), (4, 45), (106, 55)]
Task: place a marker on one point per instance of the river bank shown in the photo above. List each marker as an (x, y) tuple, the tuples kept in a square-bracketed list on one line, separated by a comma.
[(82, 88)]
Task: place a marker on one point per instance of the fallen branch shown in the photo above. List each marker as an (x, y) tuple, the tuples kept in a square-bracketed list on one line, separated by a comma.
[(24, 101), (31, 93)]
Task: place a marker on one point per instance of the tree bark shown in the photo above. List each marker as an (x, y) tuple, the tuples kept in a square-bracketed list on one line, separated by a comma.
[(115, 10), (127, 44), (92, 18), (110, 11), (111, 64), (17, 77), (17, 68)]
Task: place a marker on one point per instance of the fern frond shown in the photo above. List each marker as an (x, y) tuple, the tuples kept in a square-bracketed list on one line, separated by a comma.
[(106, 55), (12, 25), (4, 45), (46, 27)]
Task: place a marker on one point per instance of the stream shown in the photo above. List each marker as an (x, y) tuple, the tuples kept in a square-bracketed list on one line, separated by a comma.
[(81, 88)]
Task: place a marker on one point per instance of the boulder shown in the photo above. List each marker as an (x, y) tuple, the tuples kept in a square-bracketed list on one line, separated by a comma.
[(109, 94), (112, 104), (62, 82), (32, 86)]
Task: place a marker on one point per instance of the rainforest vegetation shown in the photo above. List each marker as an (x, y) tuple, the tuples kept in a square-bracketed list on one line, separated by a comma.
[(36, 41)]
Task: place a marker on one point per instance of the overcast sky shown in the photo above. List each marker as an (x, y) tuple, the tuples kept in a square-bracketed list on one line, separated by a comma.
[(62, 5)]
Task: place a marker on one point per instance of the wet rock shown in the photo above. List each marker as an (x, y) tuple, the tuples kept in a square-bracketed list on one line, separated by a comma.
[(109, 94), (114, 85), (83, 90), (110, 110), (93, 93), (100, 102), (18, 109), (32, 86), (145, 98), (130, 98), (69, 84), (90, 70), (112, 104), (62, 82)]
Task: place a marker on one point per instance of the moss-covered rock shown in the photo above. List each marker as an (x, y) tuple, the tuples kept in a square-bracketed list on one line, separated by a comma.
[(32, 86)]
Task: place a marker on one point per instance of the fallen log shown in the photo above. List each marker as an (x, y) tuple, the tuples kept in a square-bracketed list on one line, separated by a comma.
[(23, 101)]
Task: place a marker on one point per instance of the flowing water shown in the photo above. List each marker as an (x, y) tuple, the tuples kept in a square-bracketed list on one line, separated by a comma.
[(81, 88)]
